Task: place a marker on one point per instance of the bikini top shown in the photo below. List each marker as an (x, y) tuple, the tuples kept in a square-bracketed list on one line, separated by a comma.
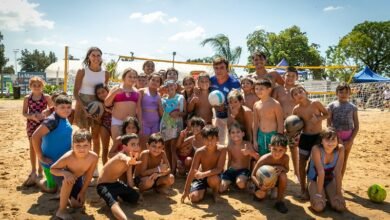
[(127, 97)]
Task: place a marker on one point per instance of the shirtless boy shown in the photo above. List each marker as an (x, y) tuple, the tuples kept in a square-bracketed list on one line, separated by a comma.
[(312, 113), (282, 94), (240, 153), (206, 166), (76, 169), (154, 170), (109, 187), (267, 117)]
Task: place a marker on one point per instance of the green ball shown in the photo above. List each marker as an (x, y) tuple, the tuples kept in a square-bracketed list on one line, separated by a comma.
[(376, 193)]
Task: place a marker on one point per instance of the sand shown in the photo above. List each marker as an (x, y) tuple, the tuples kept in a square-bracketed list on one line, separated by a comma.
[(369, 163)]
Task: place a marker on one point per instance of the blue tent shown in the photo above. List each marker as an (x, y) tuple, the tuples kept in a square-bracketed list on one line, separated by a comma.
[(284, 62), (367, 75)]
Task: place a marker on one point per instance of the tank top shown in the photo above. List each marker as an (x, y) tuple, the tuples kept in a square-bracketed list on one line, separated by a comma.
[(312, 172), (149, 103), (90, 80)]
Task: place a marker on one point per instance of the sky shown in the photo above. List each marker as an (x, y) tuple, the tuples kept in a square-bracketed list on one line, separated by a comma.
[(156, 28)]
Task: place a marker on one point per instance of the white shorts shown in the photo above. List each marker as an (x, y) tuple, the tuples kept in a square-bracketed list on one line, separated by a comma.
[(116, 122)]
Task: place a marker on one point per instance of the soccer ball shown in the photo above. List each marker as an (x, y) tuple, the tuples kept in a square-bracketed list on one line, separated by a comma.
[(266, 175), (376, 193), (216, 98)]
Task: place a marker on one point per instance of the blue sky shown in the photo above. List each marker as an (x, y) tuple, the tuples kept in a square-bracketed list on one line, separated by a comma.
[(156, 28)]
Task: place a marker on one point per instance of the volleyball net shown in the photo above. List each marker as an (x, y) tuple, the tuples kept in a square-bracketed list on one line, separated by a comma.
[(366, 95)]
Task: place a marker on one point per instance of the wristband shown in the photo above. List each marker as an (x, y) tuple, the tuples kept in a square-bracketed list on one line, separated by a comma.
[(159, 169)]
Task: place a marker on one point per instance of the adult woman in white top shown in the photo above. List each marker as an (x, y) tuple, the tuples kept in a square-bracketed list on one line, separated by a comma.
[(84, 92)]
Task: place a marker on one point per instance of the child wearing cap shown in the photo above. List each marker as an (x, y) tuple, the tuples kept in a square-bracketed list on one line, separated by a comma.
[(174, 106)]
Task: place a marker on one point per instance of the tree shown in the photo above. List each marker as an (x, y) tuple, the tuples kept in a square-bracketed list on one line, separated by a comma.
[(111, 68), (368, 43), (291, 44), (221, 44), (336, 56), (3, 62), (36, 61)]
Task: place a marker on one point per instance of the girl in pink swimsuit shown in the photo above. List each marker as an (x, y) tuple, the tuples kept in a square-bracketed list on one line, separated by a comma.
[(125, 100)]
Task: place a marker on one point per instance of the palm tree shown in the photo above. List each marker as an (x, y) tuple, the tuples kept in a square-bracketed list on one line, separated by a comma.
[(221, 44)]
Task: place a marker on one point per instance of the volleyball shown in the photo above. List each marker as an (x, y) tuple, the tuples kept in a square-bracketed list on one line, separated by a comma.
[(377, 193), (293, 124), (95, 108), (216, 98), (267, 175)]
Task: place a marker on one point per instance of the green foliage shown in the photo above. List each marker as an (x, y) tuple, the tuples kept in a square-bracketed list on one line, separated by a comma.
[(291, 44), (36, 61), (111, 68), (202, 60), (50, 89), (3, 62), (336, 56), (221, 45), (368, 44), (9, 70)]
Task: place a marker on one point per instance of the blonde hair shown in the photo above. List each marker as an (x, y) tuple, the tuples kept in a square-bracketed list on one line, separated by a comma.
[(35, 79)]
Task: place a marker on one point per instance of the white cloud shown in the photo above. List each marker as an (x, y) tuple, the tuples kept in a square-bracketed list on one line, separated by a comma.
[(197, 32), (110, 39), (157, 16), (43, 42), (332, 8), (83, 42), (172, 20), (190, 23), (259, 27), (17, 15)]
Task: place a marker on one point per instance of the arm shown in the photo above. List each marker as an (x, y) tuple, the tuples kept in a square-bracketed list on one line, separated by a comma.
[(258, 164), (338, 170), (107, 78), (323, 111), (279, 118), (316, 157), (143, 167), (194, 168), (88, 176), (77, 84), (160, 107), (139, 112), (164, 162), (278, 79), (129, 175), (36, 140), (58, 169), (25, 111), (248, 122), (114, 149), (355, 124), (111, 95), (191, 105), (220, 165), (49, 101), (255, 128)]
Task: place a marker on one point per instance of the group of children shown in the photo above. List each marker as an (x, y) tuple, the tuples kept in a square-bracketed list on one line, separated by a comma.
[(160, 129)]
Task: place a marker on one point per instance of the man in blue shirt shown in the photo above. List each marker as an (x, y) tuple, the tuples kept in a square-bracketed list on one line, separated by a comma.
[(223, 82)]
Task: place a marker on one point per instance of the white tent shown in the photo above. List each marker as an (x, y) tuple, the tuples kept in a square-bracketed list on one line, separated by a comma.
[(56, 70)]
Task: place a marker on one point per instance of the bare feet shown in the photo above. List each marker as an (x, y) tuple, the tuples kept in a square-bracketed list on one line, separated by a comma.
[(31, 180), (217, 198), (63, 215), (304, 195), (274, 193), (41, 183), (162, 190)]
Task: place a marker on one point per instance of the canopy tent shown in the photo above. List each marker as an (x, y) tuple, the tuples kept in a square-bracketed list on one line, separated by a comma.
[(284, 62), (367, 75), (56, 69)]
